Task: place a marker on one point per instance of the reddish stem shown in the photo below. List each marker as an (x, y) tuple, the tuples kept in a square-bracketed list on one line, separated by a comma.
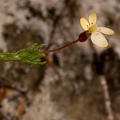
[(82, 38), (54, 50)]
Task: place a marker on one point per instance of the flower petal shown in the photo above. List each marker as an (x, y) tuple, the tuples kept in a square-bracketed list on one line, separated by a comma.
[(98, 39), (84, 24), (92, 18), (105, 30)]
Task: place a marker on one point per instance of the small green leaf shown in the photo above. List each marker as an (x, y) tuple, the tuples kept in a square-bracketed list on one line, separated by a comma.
[(28, 56)]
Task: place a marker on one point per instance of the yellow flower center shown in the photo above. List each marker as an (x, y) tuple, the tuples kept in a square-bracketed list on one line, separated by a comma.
[(92, 28)]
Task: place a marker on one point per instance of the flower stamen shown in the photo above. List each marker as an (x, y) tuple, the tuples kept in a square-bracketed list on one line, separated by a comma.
[(92, 28)]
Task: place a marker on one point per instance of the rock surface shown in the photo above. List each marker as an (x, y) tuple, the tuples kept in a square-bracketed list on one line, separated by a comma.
[(71, 89)]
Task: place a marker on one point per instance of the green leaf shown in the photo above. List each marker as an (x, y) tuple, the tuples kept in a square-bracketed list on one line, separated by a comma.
[(28, 56)]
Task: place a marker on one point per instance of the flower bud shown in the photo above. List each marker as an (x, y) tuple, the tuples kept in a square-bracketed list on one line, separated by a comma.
[(83, 37)]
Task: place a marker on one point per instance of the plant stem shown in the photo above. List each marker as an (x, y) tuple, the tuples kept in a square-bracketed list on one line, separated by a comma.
[(54, 50)]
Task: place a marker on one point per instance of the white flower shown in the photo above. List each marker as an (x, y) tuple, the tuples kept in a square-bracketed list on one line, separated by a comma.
[(96, 32)]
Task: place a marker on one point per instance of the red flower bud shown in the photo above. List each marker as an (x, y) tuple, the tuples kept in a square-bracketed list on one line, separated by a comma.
[(83, 37)]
